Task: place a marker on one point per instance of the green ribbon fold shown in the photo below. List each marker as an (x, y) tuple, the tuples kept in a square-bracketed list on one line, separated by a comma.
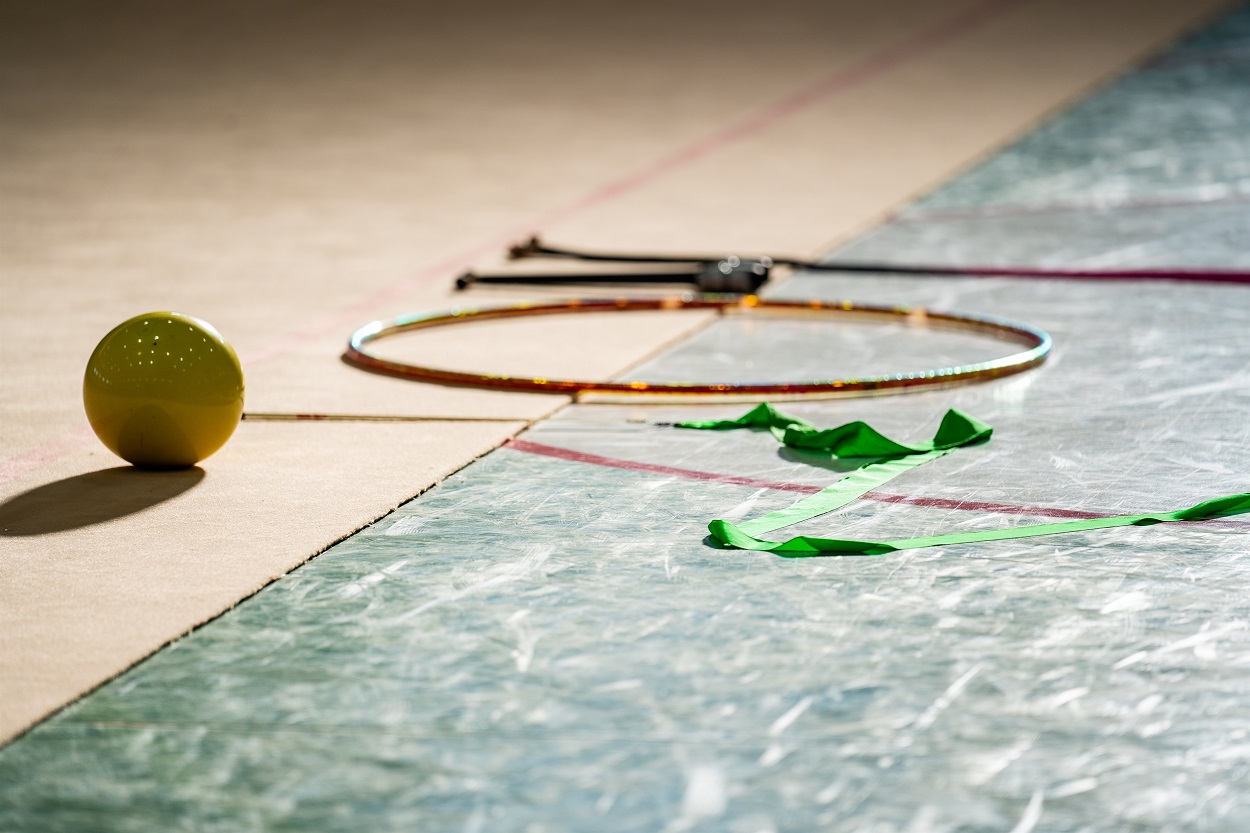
[(855, 439), (888, 460)]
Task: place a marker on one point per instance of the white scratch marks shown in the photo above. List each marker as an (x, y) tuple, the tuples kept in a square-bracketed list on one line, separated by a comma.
[(1236, 382), (523, 654), (1130, 602), (772, 755), (786, 720), (984, 768), (706, 796), (363, 583), (1032, 814), (1201, 643), (1080, 785), (944, 700), (1131, 659), (495, 576), (743, 509), (1068, 696)]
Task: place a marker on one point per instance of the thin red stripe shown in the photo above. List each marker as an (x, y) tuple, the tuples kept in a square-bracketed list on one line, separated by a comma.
[(651, 468), (766, 117), (23, 464), (882, 497), (691, 474), (1143, 274)]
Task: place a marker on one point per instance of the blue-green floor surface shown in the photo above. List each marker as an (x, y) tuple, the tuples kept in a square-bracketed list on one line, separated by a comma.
[(541, 644)]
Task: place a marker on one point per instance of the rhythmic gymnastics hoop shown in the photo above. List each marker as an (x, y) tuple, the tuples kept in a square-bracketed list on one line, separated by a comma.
[(1036, 342)]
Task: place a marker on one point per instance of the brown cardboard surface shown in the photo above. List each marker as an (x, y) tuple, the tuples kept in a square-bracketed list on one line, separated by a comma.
[(290, 171), (103, 564)]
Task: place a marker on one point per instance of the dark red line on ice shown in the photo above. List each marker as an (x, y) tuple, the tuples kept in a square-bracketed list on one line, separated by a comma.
[(691, 474), (651, 468)]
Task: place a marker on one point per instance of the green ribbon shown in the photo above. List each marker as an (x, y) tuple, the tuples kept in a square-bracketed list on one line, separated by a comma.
[(881, 460), (855, 439)]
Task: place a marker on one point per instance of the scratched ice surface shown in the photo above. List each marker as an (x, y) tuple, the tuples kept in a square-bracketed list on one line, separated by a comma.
[(542, 644), (756, 348), (1174, 130)]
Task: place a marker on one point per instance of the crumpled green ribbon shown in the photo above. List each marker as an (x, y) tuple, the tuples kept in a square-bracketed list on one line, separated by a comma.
[(887, 459)]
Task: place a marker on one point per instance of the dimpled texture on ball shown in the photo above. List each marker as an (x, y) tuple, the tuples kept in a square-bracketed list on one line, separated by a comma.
[(163, 390)]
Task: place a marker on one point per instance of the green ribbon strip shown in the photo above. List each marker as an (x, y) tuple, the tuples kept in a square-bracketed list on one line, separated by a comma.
[(886, 460), (855, 439)]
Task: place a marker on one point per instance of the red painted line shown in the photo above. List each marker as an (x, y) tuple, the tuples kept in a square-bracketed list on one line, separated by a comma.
[(754, 123), (882, 497), (651, 468), (35, 459), (769, 116), (359, 313), (1227, 276)]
